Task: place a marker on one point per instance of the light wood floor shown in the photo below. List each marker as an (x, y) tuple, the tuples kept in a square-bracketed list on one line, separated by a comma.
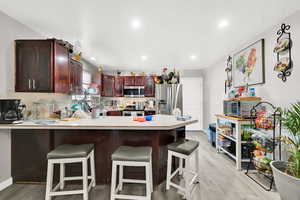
[(219, 181)]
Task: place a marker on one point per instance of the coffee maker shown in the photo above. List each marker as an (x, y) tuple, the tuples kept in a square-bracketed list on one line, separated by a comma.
[(10, 111)]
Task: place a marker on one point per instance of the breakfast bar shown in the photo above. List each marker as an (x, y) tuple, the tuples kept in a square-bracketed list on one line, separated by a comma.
[(32, 140)]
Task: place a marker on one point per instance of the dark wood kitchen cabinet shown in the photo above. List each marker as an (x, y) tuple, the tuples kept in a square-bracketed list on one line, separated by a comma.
[(42, 66), (34, 66), (149, 112), (114, 113), (149, 86), (119, 86), (76, 71), (97, 79), (129, 80), (139, 80), (29, 148), (108, 85), (61, 68)]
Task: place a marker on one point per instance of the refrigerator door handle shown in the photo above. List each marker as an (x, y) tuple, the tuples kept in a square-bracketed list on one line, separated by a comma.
[(177, 95)]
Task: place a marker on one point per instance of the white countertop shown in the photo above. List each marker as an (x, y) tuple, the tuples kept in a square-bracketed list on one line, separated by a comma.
[(160, 122)]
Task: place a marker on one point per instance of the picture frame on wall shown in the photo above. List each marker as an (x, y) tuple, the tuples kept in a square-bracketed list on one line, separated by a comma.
[(249, 65)]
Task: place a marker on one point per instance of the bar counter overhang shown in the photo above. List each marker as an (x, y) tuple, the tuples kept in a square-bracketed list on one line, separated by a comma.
[(32, 142)]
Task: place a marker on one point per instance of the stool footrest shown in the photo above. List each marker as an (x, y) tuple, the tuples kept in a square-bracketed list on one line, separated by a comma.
[(70, 192), (133, 181), (133, 197), (74, 178)]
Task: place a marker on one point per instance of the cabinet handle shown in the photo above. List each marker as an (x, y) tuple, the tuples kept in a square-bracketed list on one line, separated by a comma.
[(29, 84), (33, 83), (71, 87)]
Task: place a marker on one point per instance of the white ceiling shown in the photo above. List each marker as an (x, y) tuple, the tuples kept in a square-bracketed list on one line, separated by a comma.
[(171, 31)]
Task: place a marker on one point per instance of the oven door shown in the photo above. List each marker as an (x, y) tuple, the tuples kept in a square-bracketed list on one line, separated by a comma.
[(236, 108), (133, 113), (227, 107)]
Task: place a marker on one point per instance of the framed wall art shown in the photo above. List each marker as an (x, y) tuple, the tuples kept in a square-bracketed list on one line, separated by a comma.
[(249, 65)]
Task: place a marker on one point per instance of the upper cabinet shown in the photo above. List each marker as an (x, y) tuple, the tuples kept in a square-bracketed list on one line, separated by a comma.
[(108, 85), (76, 71), (42, 66), (34, 66), (119, 86), (149, 86), (129, 80), (97, 79), (134, 80), (139, 80), (61, 68), (113, 86)]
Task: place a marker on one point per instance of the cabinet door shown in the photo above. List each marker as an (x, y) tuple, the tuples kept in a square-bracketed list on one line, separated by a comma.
[(114, 113), (61, 68), (97, 79), (28, 158), (108, 86), (72, 76), (119, 86), (78, 79), (149, 86), (34, 72), (149, 112), (139, 81), (75, 77), (128, 80)]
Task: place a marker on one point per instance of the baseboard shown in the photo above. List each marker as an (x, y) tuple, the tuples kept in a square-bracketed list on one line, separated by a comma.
[(6, 183)]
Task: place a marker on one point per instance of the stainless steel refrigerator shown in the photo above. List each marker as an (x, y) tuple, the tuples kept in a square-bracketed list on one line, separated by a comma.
[(168, 97)]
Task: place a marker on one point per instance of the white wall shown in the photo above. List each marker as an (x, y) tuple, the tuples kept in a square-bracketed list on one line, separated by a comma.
[(193, 97), (10, 31), (192, 100), (274, 90)]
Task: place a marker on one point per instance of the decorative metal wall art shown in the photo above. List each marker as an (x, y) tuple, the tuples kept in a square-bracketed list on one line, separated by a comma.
[(283, 49), (228, 70)]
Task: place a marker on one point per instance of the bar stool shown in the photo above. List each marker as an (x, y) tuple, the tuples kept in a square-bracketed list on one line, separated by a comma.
[(184, 150), (65, 154), (132, 157)]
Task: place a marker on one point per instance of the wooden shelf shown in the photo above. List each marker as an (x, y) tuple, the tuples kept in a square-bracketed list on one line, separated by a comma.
[(226, 136), (237, 139), (246, 99), (232, 118)]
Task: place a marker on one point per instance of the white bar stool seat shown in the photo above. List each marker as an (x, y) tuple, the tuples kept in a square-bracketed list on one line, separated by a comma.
[(65, 154), (131, 157), (184, 150)]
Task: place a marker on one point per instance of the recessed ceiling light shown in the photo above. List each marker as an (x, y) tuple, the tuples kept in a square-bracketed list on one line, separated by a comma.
[(135, 23), (223, 23), (93, 58), (144, 58), (193, 57)]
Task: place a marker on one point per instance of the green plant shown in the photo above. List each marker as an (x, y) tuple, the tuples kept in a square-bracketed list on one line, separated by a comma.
[(291, 121)]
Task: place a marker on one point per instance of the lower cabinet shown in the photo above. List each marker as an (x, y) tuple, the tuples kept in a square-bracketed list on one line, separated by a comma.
[(29, 149), (114, 113), (149, 112)]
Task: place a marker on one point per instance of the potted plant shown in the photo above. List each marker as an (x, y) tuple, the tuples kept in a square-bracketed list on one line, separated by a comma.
[(287, 174)]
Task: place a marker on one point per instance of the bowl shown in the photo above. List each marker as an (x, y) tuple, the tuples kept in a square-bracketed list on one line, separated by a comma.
[(149, 117)]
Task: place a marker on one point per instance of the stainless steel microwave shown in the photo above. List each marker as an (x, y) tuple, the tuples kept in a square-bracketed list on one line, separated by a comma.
[(236, 108), (134, 91)]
